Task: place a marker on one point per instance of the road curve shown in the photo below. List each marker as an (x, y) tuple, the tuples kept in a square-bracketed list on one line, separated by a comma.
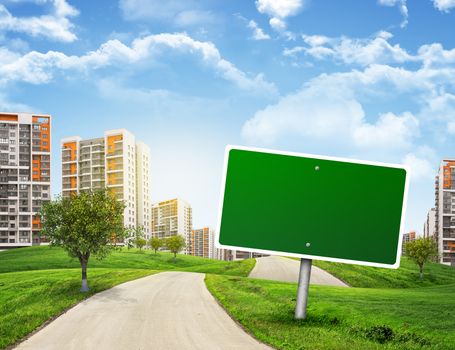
[(169, 310), (277, 268)]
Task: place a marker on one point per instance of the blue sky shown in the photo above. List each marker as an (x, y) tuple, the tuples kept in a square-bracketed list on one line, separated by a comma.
[(369, 79)]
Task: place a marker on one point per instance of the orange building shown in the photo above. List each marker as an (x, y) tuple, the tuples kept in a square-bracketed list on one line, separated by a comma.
[(25, 177)]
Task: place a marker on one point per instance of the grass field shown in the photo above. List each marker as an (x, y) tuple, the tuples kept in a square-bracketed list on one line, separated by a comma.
[(30, 298), (341, 318), (407, 276), (46, 258), (38, 283)]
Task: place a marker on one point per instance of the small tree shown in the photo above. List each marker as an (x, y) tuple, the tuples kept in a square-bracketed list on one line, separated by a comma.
[(421, 251), (155, 243), (140, 243), (175, 244), (88, 224)]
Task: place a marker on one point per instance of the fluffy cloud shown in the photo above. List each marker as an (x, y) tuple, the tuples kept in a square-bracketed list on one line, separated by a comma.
[(54, 26), (279, 10), (35, 67), (444, 5), (258, 33), (401, 4)]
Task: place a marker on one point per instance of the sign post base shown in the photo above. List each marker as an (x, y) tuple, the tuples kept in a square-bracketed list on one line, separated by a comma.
[(302, 292)]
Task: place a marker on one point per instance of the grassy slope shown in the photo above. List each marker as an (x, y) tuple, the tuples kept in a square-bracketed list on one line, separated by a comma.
[(340, 318), (28, 299), (39, 258), (407, 276)]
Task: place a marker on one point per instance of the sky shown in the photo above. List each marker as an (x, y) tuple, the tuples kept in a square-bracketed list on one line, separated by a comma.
[(364, 79)]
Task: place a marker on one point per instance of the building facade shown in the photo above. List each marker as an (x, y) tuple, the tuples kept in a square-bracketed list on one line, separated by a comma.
[(203, 242), (408, 237), (429, 227), (115, 161), (445, 211), (25, 177), (173, 217)]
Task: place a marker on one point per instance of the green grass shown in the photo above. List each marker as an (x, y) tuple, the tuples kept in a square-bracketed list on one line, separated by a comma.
[(407, 276), (45, 258), (341, 318), (30, 298)]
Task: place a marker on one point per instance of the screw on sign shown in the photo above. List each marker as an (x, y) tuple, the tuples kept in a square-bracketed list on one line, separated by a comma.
[(312, 207)]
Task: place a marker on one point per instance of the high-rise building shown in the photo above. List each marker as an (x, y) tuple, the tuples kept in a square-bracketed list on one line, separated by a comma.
[(25, 177), (115, 161), (445, 211), (203, 242), (172, 217), (429, 226), (408, 237)]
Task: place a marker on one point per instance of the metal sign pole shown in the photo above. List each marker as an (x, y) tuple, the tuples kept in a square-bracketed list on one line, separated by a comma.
[(302, 292)]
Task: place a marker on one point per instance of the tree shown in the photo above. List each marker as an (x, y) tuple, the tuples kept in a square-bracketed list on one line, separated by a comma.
[(175, 244), (85, 225), (156, 243), (140, 243), (421, 251)]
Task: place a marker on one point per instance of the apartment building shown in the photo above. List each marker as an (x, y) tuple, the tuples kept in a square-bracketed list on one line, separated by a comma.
[(445, 211), (172, 217), (203, 242), (408, 237), (115, 161), (429, 226), (25, 177)]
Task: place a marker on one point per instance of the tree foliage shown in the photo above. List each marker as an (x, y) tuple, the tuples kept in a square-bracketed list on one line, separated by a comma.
[(421, 251), (156, 243), (141, 243), (85, 225), (175, 244)]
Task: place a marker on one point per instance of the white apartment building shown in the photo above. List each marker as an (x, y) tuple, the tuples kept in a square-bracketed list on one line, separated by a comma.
[(203, 243), (429, 227), (445, 211), (114, 161), (172, 217), (25, 177)]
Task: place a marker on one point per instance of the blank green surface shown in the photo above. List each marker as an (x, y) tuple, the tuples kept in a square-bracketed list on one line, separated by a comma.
[(282, 203)]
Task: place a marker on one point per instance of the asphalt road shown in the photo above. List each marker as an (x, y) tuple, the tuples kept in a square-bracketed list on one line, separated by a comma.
[(169, 310), (277, 268)]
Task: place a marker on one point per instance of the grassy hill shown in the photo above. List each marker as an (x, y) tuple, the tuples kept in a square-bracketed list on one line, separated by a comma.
[(39, 283), (407, 276)]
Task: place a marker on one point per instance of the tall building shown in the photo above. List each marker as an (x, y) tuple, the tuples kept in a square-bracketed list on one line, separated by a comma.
[(25, 177), (115, 161), (203, 242), (445, 211), (429, 227), (173, 217), (408, 237)]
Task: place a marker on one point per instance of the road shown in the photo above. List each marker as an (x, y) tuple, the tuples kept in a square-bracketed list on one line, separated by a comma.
[(169, 310), (277, 268)]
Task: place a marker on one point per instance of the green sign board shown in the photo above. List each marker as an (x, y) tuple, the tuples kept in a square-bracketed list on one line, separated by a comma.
[(312, 207)]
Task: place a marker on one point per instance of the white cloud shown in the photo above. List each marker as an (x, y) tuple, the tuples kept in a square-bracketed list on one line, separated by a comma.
[(35, 67), (54, 26), (444, 5), (402, 6), (189, 18), (421, 168), (279, 10), (258, 33)]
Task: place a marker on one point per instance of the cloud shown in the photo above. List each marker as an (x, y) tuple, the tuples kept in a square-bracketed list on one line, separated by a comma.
[(36, 68), (258, 33), (402, 6), (55, 26), (279, 10), (421, 168), (444, 5)]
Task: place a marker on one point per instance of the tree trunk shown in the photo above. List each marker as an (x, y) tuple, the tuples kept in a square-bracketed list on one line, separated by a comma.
[(83, 259), (175, 257), (421, 271)]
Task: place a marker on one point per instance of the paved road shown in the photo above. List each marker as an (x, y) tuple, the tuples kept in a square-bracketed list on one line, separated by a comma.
[(277, 268), (170, 310)]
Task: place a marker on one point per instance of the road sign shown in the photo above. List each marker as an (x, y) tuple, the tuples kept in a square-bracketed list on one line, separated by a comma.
[(312, 207)]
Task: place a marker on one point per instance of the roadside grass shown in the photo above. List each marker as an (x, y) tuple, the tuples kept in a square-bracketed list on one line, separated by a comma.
[(30, 298), (407, 276), (39, 258), (340, 318)]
